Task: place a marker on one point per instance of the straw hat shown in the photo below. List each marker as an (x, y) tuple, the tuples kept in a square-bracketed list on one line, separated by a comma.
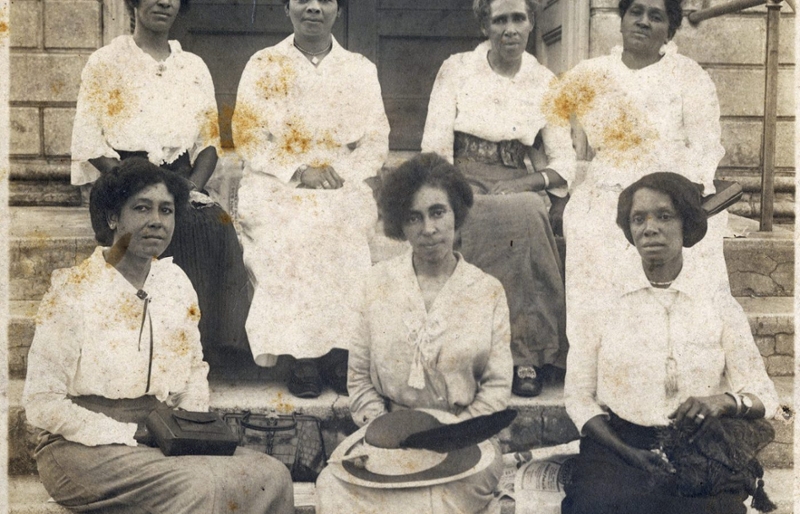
[(378, 455)]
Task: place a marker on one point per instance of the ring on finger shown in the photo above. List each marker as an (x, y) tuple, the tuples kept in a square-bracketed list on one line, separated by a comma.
[(699, 418)]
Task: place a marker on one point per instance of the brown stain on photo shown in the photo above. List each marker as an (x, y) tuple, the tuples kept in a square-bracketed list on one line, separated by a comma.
[(572, 96), (108, 96), (245, 125), (57, 86), (623, 133), (278, 77), (296, 140), (283, 406), (233, 506), (209, 126), (225, 218), (194, 313)]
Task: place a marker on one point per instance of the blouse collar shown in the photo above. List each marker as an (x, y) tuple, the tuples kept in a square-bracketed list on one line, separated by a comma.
[(463, 276), (105, 273), (480, 54), (668, 51), (336, 53), (131, 46)]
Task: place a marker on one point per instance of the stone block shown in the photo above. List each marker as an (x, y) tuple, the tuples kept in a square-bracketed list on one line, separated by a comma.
[(741, 91), (72, 24), (18, 362), (784, 344), (58, 131), (24, 135), (38, 169), (784, 276), (777, 455), (780, 366), (32, 261), (45, 77), (26, 22), (43, 193), (22, 438), (747, 284), (766, 345), (742, 142)]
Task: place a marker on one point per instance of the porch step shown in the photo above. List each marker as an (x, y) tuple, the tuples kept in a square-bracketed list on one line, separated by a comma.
[(47, 238), (28, 496), (541, 421)]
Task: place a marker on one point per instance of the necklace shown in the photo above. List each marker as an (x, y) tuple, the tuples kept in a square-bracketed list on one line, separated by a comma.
[(661, 284), (314, 56)]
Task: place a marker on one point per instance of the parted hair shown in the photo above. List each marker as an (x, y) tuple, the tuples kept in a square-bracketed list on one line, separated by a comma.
[(483, 10), (400, 186), (685, 197), (341, 4), (113, 189), (674, 13), (130, 5)]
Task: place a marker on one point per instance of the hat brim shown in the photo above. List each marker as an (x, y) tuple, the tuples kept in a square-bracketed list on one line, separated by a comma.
[(457, 465)]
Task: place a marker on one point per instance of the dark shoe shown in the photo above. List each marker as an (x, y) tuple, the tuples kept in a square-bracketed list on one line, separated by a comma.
[(527, 381), (334, 370), (304, 379)]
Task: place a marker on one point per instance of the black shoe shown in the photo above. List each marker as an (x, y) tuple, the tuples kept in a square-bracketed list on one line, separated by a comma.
[(334, 370), (527, 381), (304, 379)]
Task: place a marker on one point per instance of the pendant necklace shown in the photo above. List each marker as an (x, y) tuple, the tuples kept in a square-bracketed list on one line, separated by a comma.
[(315, 60)]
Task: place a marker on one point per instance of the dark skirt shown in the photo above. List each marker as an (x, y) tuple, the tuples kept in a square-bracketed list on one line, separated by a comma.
[(510, 238), (205, 246), (603, 483)]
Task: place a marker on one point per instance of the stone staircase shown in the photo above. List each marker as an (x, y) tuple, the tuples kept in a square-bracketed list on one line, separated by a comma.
[(761, 268)]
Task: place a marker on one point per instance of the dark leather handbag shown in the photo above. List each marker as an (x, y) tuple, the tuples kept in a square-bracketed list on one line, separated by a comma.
[(728, 193), (180, 432), (294, 439)]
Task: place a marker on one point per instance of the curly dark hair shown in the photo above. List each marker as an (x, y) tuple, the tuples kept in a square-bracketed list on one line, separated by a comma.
[(400, 186), (341, 4), (113, 189), (685, 197), (130, 5), (674, 13), (483, 9)]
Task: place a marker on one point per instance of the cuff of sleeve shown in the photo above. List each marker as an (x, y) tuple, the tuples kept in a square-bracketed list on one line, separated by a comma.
[(367, 414)]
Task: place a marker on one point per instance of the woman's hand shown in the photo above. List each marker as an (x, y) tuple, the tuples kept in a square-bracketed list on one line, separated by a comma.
[(321, 178), (517, 185), (698, 410), (648, 461)]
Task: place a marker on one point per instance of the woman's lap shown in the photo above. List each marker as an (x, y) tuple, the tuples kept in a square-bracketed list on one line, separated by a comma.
[(509, 237), (117, 478)]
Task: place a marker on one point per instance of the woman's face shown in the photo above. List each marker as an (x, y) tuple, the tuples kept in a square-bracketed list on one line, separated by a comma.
[(157, 15), (313, 18), (508, 28), (645, 27), (656, 227), (146, 221), (430, 225)]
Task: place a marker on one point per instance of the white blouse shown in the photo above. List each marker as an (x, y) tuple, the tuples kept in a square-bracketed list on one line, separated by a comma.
[(92, 338), (455, 357), (468, 96), (290, 112), (663, 117), (129, 101), (621, 364)]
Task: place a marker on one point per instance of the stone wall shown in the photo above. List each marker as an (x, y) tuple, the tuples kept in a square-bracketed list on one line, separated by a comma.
[(732, 49)]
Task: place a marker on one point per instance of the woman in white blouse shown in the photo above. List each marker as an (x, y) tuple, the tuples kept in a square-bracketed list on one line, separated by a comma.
[(117, 337), (484, 115), (669, 350), (644, 108), (142, 95), (433, 333), (310, 126)]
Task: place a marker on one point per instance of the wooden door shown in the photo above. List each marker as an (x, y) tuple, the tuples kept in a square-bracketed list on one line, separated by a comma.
[(562, 33), (225, 33)]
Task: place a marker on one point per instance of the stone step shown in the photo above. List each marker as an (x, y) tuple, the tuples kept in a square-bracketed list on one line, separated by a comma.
[(541, 421), (28, 496), (47, 238), (43, 193), (771, 321)]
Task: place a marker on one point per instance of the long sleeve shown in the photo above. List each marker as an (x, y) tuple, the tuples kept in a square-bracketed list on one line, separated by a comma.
[(580, 383), (372, 149), (52, 365), (88, 141), (209, 122), (744, 366), (494, 386), (438, 136), (701, 123), (560, 155), (365, 402), (196, 397)]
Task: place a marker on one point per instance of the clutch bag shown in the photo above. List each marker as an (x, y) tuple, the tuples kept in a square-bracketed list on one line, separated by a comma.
[(728, 193), (180, 432)]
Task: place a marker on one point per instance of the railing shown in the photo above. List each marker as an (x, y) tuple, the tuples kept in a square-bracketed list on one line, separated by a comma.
[(770, 93)]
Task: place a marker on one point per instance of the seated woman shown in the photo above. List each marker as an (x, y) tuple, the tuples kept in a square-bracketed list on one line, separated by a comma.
[(670, 350), (311, 127), (142, 95), (116, 337), (434, 333), (484, 115)]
